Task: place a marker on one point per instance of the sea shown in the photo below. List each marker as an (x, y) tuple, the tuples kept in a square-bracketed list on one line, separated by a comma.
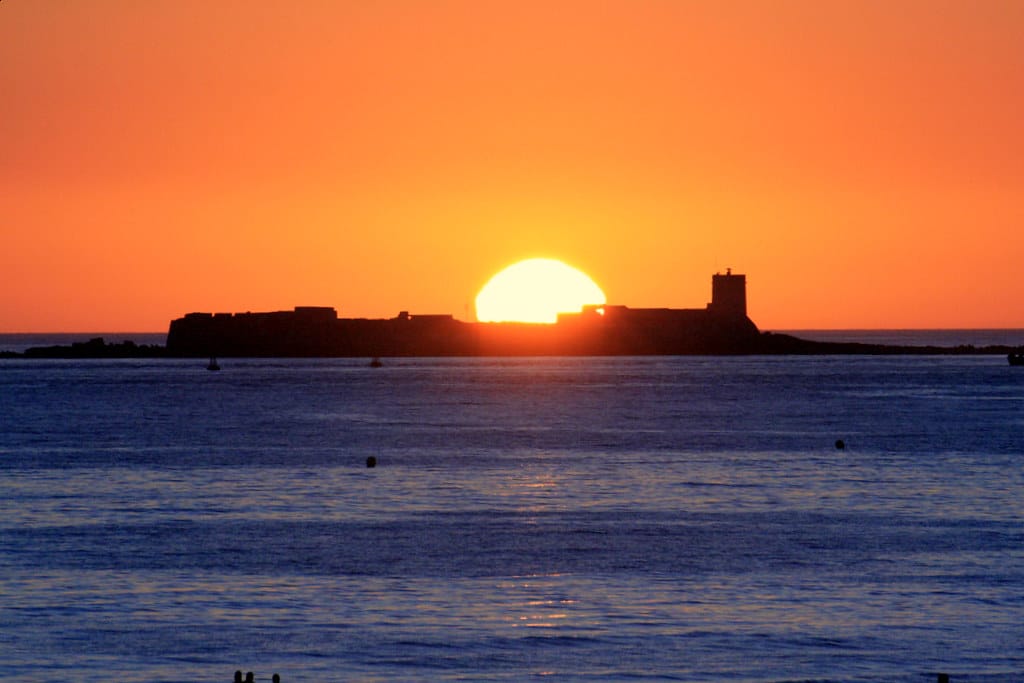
[(751, 519)]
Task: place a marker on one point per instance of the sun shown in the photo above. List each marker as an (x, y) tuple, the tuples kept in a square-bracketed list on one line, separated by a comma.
[(536, 291)]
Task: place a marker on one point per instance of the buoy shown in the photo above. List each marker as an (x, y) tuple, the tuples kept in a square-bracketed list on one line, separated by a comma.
[(371, 461), (840, 444)]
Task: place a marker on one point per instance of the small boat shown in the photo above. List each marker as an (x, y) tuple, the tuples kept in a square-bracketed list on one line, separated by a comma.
[(375, 363), (1015, 358), (213, 366)]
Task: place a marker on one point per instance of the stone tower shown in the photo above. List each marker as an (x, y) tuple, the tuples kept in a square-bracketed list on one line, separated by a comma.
[(728, 295)]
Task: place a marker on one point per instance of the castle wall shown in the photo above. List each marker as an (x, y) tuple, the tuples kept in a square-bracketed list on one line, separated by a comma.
[(722, 327)]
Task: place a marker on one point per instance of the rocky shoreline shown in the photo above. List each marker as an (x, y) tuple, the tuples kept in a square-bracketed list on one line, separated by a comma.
[(768, 343)]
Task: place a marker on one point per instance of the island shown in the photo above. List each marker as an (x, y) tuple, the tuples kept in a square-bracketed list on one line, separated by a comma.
[(722, 327)]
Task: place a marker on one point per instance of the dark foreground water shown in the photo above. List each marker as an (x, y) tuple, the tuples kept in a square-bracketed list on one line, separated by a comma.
[(685, 519)]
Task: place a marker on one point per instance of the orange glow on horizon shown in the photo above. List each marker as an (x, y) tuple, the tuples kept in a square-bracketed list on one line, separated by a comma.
[(862, 163)]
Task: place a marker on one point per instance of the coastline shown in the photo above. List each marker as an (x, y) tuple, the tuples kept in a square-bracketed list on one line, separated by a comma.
[(957, 341), (722, 327)]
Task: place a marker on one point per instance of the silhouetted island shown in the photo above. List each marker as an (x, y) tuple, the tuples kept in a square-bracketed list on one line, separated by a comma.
[(93, 348), (721, 328)]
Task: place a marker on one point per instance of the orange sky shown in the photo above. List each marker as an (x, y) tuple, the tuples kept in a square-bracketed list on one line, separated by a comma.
[(862, 161)]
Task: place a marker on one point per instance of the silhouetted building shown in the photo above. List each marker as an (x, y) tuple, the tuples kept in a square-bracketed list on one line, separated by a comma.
[(728, 294), (721, 327)]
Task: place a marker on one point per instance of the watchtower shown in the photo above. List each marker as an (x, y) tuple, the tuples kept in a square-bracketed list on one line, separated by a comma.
[(728, 294)]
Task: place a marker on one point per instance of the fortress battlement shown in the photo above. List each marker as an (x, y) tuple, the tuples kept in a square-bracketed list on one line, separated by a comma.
[(721, 327)]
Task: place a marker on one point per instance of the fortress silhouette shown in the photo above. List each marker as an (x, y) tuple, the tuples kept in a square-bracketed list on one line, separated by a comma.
[(722, 327)]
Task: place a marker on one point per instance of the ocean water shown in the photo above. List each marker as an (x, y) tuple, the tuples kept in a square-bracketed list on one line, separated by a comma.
[(580, 519)]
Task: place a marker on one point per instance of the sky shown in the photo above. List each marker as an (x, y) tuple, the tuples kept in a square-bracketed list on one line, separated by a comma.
[(861, 161)]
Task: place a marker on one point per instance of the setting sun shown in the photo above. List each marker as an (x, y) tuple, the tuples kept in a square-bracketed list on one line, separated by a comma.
[(536, 291)]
